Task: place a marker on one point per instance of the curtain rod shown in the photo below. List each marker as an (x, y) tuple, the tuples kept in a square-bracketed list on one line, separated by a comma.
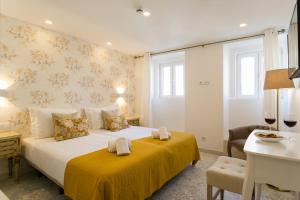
[(206, 44)]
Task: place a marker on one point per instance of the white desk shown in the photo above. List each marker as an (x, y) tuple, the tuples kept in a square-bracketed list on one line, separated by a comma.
[(275, 163)]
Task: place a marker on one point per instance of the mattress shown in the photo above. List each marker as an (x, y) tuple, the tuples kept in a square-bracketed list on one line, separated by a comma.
[(51, 156)]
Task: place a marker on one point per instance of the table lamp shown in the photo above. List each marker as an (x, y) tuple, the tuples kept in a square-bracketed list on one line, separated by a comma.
[(277, 79)]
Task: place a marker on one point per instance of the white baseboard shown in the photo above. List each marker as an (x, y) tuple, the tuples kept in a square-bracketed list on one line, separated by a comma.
[(219, 153)]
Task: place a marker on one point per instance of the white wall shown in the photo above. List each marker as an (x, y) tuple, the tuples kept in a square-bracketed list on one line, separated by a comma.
[(139, 84), (204, 103), (169, 113)]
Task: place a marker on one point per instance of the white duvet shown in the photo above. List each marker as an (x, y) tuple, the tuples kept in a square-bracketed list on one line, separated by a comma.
[(52, 157), (132, 133)]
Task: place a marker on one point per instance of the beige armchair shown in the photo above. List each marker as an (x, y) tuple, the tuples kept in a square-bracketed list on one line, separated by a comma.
[(238, 136)]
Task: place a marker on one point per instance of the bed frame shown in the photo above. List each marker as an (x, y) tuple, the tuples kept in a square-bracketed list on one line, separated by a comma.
[(60, 187)]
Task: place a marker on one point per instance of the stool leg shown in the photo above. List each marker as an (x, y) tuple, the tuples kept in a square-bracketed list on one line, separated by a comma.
[(209, 192), (222, 194), (258, 193)]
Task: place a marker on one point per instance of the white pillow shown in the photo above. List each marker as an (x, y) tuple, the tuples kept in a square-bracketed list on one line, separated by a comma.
[(94, 115), (41, 121)]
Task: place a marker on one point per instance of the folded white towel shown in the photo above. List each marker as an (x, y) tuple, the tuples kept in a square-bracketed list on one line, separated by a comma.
[(155, 134), (112, 146), (163, 133), (122, 146)]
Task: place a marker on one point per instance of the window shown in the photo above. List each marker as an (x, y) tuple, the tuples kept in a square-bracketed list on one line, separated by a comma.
[(178, 81), (166, 74), (171, 79), (247, 74)]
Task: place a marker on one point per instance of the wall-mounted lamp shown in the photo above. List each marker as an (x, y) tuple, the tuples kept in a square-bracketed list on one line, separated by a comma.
[(2, 93), (120, 90), (3, 97), (120, 101), (120, 98), (3, 84)]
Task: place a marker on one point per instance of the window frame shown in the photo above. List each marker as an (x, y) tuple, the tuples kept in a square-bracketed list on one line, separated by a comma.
[(161, 79), (238, 58), (172, 81)]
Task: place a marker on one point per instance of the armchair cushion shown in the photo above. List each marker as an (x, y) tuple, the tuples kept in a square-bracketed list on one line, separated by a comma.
[(238, 136), (239, 144), (238, 133)]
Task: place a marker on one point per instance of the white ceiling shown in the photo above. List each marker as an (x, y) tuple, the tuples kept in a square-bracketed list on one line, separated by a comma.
[(173, 23)]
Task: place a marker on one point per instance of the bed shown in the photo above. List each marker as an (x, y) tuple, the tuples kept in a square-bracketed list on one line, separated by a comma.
[(51, 157), (66, 162)]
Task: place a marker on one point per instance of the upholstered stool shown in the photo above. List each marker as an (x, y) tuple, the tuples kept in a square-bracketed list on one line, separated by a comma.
[(226, 174)]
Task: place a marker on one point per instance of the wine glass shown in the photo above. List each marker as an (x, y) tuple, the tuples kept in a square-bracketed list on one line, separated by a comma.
[(270, 119), (290, 120)]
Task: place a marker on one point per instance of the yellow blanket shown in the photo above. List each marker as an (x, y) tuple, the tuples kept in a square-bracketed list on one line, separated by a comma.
[(104, 176)]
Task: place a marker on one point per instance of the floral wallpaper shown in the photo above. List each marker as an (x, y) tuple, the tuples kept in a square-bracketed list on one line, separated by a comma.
[(43, 68)]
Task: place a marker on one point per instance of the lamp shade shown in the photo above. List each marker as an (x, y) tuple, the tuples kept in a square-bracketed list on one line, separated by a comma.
[(278, 78)]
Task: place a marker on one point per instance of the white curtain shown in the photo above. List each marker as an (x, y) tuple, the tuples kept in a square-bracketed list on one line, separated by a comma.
[(146, 91), (293, 45), (270, 62)]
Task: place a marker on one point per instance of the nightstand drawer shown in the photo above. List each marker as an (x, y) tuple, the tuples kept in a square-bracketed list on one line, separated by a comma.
[(9, 147), (133, 121), (8, 143)]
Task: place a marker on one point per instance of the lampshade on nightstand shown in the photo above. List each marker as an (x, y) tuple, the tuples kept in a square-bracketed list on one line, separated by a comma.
[(277, 79)]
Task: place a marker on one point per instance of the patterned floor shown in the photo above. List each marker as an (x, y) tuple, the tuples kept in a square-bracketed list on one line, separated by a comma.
[(188, 185)]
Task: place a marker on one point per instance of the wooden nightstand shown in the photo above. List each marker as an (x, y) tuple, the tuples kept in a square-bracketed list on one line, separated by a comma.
[(133, 120), (10, 148)]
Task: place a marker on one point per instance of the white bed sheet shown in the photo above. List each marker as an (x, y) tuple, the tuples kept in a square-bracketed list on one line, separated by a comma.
[(132, 133), (52, 157)]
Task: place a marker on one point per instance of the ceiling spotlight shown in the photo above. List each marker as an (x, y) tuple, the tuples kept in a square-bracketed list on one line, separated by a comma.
[(108, 43), (143, 12), (146, 13), (48, 22), (243, 25)]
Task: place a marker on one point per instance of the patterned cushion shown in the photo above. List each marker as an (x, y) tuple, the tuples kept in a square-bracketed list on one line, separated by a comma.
[(106, 115), (57, 116), (67, 128), (116, 123)]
